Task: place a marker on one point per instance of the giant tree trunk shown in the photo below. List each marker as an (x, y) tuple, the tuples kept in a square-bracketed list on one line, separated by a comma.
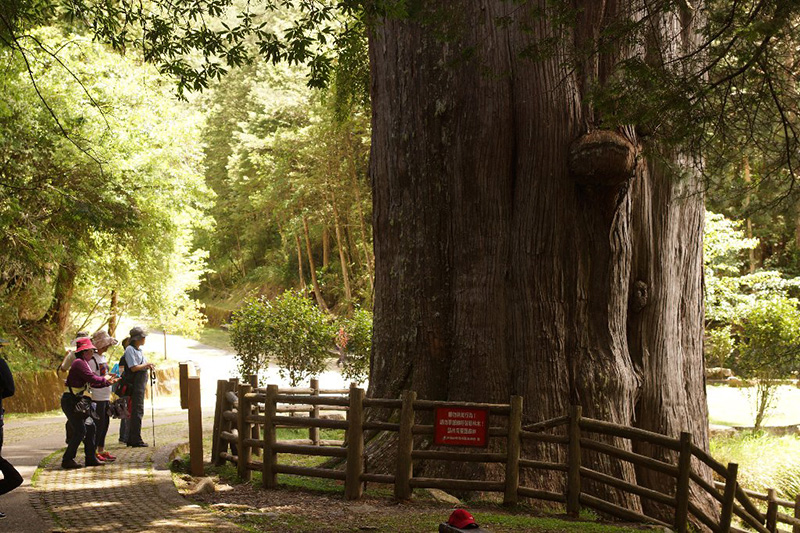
[(519, 248)]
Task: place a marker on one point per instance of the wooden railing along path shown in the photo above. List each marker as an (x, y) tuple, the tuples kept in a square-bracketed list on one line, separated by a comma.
[(250, 407)]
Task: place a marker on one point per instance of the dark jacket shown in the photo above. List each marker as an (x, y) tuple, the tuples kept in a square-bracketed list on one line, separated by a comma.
[(6, 382)]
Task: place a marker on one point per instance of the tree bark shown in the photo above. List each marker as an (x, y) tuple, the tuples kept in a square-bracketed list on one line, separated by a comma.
[(368, 257), (520, 248), (56, 317), (300, 263), (113, 314), (748, 180), (314, 283), (340, 243), (326, 247)]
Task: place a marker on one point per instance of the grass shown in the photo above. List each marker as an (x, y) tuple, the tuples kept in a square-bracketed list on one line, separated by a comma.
[(424, 521), (765, 461), (34, 416), (43, 463), (216, 338), (422, 516), (731, 406)]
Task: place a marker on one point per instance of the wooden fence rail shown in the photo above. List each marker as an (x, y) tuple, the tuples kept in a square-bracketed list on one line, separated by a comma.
[(268, 408)]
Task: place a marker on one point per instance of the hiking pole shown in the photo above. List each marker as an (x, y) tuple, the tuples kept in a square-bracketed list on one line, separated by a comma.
[(152, 404)]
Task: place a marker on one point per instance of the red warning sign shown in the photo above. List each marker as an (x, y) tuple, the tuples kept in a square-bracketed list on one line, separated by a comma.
[(457, 426)]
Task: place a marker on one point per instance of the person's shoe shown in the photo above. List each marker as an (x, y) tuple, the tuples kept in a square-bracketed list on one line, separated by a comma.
[(100, 457), (70, 464), (94, 463), (107, 457), (139, 445)]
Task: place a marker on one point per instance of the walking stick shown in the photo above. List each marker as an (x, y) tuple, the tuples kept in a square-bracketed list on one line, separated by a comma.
[(152, 404)]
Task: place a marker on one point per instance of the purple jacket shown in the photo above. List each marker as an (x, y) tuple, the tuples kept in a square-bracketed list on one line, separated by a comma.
[(80, 374)]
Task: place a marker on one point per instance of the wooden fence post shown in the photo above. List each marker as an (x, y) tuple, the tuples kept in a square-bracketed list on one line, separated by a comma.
[(772, 510), (313, 432), (218, 445), (195, 428), (728, 498), (255, 432), (682, 488), (183, 382), (796, 529), (244, 433), (268, 475), (513, 446), (355, 445), (405, 445), (574, 462)]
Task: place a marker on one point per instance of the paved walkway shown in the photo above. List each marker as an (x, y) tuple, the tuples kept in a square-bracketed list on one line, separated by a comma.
[(133, 494)]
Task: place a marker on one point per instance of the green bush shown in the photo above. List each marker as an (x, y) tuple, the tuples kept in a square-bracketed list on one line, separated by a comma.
[(356, 332), (719, 346), (289, 329), (769, 348)]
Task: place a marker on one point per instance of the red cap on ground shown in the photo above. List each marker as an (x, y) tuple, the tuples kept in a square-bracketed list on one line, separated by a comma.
[(460, 518)]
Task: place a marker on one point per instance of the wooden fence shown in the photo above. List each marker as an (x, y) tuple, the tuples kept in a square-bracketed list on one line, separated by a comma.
[(267, 407)]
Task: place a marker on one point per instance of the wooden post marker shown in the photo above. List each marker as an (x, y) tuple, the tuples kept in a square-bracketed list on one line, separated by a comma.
[(728, 498), (243, 433), (313, 432), (513, 448), (355, 445), (218, 445), (405, 445), (796, 529), (772, 510), (183, 380), (682, 488), (195, 428), (269, 476), (574, 462)]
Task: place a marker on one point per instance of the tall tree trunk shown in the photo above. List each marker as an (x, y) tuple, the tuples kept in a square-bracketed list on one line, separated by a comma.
[(300, 263), (340, 245), (326, 247), (748, 180), (314, 284), (521, 250), (56, 317), (368, 256), (113, 314)]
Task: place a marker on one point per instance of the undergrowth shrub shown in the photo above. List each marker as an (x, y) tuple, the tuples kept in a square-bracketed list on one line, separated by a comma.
[(765, 461)]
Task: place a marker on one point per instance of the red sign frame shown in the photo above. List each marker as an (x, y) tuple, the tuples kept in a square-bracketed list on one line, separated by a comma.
[(461, 426)]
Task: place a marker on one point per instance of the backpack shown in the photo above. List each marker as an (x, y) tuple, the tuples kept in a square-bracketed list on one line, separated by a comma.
[(124, 386)]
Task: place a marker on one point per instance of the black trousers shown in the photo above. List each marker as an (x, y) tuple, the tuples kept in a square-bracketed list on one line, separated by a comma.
[(137, 407), (11, 478), (102, 423), (82, 431)]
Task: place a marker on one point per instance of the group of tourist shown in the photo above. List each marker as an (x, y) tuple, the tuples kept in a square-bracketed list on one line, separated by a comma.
[(86, 399), (88, 393)]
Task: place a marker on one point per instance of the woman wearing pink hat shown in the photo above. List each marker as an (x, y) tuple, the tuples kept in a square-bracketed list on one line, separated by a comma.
[(79, 379)]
